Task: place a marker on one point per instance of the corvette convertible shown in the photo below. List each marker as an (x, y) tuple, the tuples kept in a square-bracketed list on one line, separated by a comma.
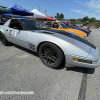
[(53, 46)]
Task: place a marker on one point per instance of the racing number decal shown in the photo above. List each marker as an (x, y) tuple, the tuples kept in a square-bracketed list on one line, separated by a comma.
[(13, 33)]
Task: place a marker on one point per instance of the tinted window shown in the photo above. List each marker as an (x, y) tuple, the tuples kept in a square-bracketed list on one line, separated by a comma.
[(15, 24), (72, 26), (55, 25), (59, 26), (63, 25), (33, 25)]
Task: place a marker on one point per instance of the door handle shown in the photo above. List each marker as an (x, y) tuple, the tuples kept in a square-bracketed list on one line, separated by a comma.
[(6, 29)]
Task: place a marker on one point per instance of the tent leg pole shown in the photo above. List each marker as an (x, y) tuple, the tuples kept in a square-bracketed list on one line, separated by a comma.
[(1, 19)]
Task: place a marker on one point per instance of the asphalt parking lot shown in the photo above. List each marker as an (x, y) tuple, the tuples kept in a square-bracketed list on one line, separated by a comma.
[(22, 70)]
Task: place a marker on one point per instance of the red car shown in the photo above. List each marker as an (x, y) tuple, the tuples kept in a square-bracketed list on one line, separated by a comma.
[(84, 28)]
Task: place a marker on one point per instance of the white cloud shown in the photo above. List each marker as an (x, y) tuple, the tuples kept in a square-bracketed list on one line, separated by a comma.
[(80, 11), (95, 16), (86, 13), (93, 8), (94, 4), (78, 1), (81, 2)]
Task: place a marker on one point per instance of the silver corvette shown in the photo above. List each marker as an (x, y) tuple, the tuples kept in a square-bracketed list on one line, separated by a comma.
[(54, 47)]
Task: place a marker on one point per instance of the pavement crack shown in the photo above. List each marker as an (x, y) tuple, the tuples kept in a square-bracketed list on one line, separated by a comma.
[(82, 92)]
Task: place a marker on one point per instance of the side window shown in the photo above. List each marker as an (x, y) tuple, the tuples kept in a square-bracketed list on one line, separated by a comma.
[(59, 26), (40, 26), (48, 24), (55, 25), (15, 24), (66, 24), (11, 24)]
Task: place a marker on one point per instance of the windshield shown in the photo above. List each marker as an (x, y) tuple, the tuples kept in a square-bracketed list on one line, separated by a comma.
[(72, 26), (33, 25), (63, 25)]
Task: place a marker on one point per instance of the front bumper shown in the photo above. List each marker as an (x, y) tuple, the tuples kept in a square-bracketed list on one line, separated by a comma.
[(69, 62)]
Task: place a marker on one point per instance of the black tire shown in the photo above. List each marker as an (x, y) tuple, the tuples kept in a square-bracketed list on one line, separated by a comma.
[(51, 55), (3, 40)]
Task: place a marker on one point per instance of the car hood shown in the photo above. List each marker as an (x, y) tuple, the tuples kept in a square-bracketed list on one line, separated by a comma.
[(68, 34), (79, 32), (83, 29), (78, 43), (86, 29), (75, 31), (94, 54)]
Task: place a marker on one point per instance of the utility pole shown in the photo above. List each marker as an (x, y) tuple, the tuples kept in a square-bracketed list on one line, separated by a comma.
[(45, 12), (39, 8)]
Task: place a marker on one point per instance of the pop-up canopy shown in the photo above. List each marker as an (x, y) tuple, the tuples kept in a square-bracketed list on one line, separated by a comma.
[(38, 14), (78, 25), (15, 16), (66, 22), (48, 18), (4, 11), (18, 10)]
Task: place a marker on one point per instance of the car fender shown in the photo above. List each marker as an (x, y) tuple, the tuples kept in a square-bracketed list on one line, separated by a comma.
[(2, 31)]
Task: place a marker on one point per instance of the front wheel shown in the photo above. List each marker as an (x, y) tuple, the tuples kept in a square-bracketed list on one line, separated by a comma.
[(51, 55), (3, 40)]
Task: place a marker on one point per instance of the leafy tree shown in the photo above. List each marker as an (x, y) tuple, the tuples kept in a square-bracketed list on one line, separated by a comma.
[(57, 16), (85, 19), (92, 19), (51, 16), (79, 19), (72, 19), (61, 16)]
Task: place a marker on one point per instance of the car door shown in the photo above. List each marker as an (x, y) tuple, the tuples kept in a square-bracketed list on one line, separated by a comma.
[(16, 34)]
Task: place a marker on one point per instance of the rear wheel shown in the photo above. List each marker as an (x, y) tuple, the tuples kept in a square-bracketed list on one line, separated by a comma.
[(3, 40), (51, 55)]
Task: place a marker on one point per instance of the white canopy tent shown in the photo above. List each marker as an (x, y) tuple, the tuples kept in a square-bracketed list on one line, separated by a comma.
[(37, 14)]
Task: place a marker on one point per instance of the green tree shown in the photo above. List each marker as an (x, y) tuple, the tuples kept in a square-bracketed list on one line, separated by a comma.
[(79, 19), (57, 16), (51, 16), (92, 19), (85, 19), (61, 16), (72, 19)]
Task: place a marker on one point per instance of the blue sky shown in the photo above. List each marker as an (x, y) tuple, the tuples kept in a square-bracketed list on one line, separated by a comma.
[(70, 8)]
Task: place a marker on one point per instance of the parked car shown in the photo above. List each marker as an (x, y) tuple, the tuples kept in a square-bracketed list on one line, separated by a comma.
[(63, 27), (53, 46), (3, 20), (85, 28), (75, 27)]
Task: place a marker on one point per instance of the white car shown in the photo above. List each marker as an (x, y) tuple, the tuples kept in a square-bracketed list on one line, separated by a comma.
[(54, 47)]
